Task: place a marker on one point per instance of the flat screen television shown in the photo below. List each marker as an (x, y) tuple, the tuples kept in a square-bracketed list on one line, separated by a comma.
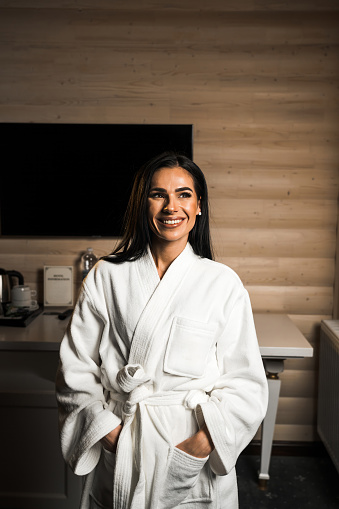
[(74, 180)]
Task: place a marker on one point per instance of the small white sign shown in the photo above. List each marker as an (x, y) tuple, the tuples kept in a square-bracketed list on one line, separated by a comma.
[(58, 286)]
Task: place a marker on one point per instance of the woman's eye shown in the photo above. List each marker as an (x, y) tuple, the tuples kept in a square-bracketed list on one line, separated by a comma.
[(185, 195), (157, 195)]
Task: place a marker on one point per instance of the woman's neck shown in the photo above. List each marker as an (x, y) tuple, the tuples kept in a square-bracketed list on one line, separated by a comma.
[(164, 253)]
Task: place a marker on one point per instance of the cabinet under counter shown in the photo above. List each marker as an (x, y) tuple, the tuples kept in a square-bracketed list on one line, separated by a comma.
[(33, 472)]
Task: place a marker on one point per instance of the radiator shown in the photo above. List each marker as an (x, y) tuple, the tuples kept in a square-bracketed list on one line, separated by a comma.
[(328, 393)]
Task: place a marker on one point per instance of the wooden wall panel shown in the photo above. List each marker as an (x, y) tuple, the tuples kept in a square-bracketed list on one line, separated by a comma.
[(282, 271), (259, 81)]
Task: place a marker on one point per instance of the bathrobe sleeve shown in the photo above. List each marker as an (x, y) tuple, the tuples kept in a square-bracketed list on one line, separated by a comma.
[(238, 401), (83, 417)]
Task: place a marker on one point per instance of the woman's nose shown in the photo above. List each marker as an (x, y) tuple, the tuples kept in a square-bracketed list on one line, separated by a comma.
[(171, 205)]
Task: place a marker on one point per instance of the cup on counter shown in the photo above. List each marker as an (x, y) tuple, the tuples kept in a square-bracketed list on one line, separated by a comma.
[(21, 297)]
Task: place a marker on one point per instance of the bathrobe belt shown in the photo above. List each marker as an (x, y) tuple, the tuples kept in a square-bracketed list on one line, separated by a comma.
[(137, 392)]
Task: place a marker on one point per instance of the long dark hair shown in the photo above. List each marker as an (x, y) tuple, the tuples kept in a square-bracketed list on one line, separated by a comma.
[(136, 232)]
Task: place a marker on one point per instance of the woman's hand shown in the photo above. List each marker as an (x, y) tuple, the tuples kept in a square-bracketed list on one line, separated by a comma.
[(199, 445), (111, 439)]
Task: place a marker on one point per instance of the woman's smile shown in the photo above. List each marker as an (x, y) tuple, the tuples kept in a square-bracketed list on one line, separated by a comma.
[(171, 222)]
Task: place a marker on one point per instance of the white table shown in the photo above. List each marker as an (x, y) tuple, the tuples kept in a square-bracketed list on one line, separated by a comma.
[(279, 339)]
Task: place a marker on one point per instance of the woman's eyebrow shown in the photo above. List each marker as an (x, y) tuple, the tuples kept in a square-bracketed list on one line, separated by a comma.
[(178, 190)]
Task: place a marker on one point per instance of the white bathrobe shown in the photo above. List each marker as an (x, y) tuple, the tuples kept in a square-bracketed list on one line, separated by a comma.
[(163, 357)]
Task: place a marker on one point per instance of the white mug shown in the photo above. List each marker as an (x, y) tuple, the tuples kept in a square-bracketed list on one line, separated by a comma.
[(21, 296)]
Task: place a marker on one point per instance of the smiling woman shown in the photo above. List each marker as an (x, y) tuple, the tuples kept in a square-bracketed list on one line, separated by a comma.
[(161, 383)]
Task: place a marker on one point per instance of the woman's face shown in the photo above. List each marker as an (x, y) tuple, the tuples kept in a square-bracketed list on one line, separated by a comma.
[(172, 204)]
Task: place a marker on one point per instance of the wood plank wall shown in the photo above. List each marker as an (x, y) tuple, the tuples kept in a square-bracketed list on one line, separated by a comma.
[(259, 81)]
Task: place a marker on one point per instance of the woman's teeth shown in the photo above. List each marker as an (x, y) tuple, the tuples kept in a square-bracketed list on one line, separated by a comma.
[(174, 221)]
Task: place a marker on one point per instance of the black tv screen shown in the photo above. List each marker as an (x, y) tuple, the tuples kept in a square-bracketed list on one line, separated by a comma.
[(74, 180)]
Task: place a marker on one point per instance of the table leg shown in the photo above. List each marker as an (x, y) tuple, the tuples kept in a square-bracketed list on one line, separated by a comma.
[(273, 368)]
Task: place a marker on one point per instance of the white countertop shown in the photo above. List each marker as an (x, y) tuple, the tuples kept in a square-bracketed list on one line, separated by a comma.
[(45, 332), (277, 335)]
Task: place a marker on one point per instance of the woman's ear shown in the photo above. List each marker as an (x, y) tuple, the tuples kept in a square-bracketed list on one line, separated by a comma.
[(199, 207)]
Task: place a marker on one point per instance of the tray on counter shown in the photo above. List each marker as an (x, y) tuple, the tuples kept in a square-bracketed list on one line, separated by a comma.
[(21, 319)]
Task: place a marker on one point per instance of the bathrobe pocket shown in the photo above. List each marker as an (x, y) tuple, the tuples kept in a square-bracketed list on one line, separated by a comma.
[(188, 347), (188, 480), (101, 494)]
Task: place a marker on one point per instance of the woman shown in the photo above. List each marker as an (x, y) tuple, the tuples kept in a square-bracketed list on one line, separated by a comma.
[(161, 383)]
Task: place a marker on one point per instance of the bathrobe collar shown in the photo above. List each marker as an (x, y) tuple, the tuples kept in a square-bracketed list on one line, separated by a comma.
[(160, 293), (148, 273)]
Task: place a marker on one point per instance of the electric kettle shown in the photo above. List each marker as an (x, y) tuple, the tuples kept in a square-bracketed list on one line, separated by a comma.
[(6, 283)]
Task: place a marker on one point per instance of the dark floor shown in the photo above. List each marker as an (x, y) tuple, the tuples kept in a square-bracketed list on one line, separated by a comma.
[(296, 482)]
